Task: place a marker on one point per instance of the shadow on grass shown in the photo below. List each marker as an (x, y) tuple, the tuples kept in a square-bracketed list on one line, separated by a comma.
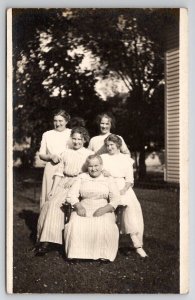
[(31, 219)]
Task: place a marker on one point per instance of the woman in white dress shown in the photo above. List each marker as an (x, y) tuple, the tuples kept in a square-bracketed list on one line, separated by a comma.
[(53, 143), (120, 167), (92, 232), (105, 122), (72, 163)]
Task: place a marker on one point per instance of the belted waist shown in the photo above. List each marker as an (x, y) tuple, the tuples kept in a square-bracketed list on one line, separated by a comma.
[(65, 175), (65, 179)]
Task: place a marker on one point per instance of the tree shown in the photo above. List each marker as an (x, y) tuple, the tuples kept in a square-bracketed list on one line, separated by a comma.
[(49, 46), (47, 73), (128, 43)]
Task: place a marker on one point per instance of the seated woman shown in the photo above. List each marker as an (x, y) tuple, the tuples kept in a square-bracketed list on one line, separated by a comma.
[(51, 219), (120, 166), (92, 232)]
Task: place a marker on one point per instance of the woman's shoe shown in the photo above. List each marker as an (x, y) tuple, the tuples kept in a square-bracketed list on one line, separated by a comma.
[(42, 249), (141, 252)]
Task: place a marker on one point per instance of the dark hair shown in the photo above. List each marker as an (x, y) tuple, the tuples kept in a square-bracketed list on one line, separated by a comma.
[(93, 156), (62, 113), (115, 139), (107, 115), (77, 122), (82, 131)]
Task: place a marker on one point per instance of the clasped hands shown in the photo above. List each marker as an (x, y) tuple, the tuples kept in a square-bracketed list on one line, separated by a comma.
[(81, 211)]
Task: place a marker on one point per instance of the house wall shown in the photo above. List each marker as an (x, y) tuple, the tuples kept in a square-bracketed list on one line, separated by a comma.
[(172, 106)]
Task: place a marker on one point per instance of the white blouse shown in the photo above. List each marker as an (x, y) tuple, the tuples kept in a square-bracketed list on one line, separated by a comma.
[(72, 162), (94, 189), (119, 166), (55, 142), (96, 144)]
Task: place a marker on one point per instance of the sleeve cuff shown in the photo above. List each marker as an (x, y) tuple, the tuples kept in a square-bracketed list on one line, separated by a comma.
[(72, 200), (59, 174), (115, 202)]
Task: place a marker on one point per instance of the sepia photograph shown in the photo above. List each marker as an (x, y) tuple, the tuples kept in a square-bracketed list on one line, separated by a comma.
[(96, 162)]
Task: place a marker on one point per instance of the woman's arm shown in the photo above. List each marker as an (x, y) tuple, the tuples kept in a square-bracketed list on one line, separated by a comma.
[(91, 145), (54, 186), (50, 157), (129, 175), (126, 187), (58, 175), (114, 197), (43, 152), (124, 149), (103, 210), (73, 198), (80, 210)]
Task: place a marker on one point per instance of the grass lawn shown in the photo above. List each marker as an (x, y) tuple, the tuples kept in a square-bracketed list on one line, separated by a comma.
[(159, 273)]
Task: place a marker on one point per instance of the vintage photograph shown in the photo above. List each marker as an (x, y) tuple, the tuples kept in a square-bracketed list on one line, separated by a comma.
[(94, 171)]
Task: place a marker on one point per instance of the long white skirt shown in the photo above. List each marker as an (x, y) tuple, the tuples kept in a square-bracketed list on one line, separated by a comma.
[(51, 219), (91, 237), (132, 217), (47, 181)]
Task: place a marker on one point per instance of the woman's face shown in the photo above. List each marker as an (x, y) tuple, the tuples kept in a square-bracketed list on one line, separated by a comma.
[(105, 125), (59, 123), (112, 148), (94, 167), (77, 141)]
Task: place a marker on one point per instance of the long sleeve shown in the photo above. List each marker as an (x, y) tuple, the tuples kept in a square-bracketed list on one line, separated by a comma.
[(43, 147), (124, 149), (90, 146), (60, 169), (73, 193), (129, 176), (114, 194)]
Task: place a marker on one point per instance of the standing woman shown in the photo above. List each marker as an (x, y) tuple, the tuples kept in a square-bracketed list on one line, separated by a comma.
[(105, 122), (53, 143)]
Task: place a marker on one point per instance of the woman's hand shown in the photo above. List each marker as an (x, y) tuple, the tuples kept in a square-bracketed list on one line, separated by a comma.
[(69, 183), (51, 194), (103, 210), (55, 159), (106, 173), (100, 212), (80, 210), (126, 187)]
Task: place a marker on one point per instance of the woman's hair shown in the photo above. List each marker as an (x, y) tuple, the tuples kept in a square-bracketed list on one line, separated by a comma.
[(109, 116), (77, 122), (62, 113), (93, 156), (82, 131), (115, 139)]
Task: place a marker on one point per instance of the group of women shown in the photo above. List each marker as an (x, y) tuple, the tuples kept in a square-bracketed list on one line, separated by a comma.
[(95, 181)]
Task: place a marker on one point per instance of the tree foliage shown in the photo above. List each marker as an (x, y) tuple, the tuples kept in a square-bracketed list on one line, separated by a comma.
[(128, 44)]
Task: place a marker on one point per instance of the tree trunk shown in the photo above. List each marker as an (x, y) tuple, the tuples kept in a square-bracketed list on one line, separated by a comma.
[(142, 164), (136, 175)]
